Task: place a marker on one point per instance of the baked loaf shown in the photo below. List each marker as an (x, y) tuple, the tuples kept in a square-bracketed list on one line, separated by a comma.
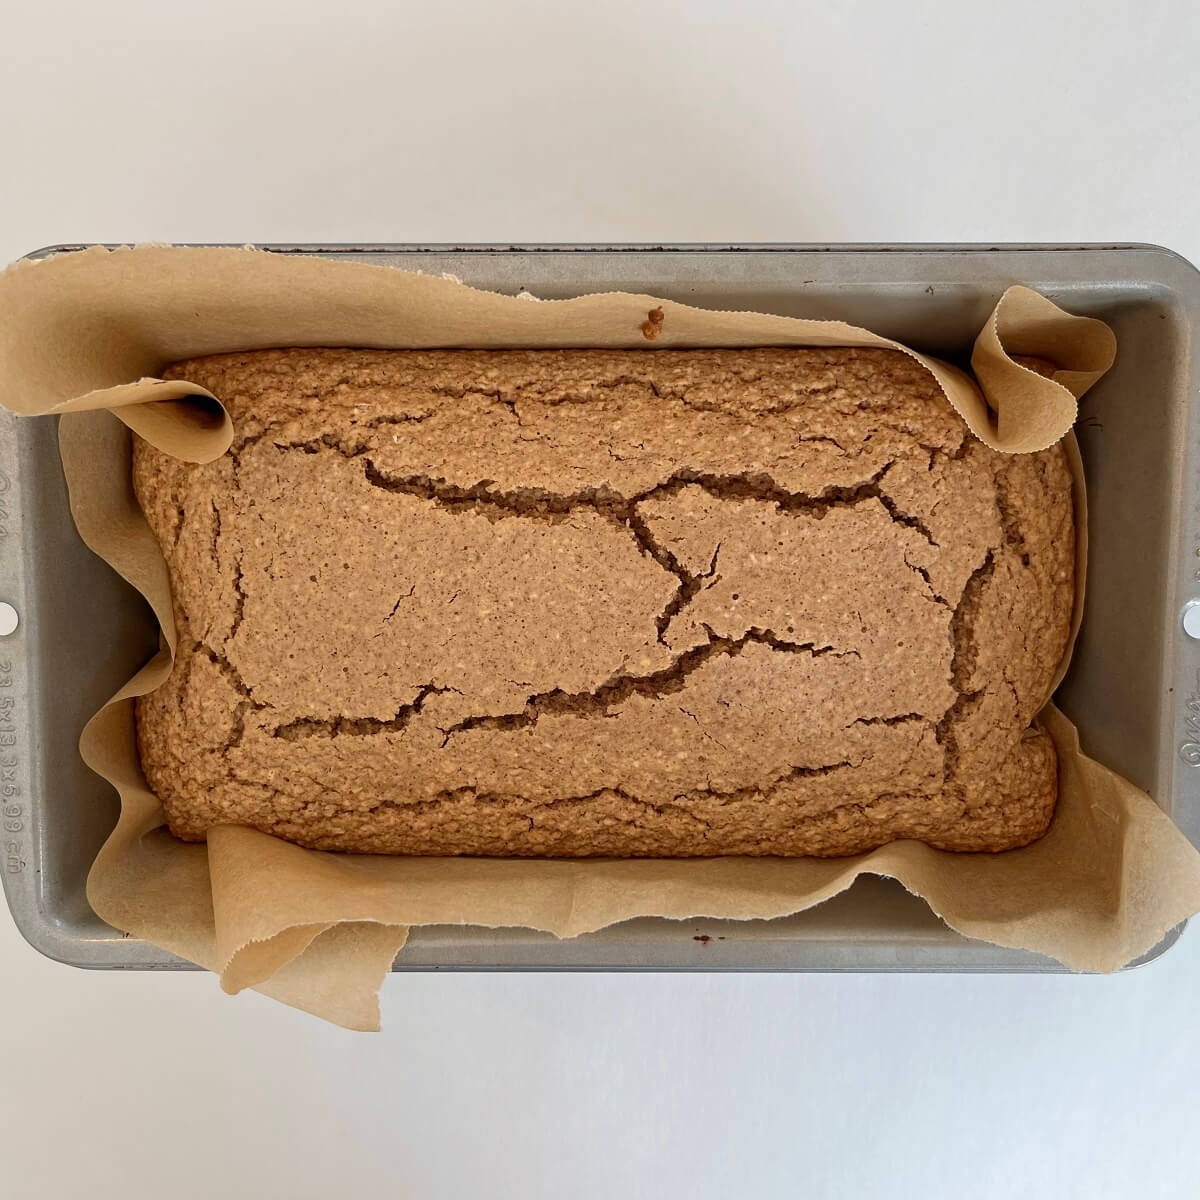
[(593, 602)]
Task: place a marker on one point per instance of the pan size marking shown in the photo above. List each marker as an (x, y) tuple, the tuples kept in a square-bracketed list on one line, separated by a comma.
[(12, 801), (6, 519), (1189, 748)]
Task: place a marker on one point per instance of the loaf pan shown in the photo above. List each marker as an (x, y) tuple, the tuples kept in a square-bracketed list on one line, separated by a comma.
[(1133, 690)]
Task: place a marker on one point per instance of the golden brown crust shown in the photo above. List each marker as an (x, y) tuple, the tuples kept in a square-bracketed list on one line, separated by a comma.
[(592, 602)]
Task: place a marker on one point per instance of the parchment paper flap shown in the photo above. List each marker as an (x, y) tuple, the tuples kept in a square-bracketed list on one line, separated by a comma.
[(85, 332)]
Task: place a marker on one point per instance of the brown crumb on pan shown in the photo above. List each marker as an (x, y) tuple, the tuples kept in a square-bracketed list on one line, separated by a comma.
[(653, 324)]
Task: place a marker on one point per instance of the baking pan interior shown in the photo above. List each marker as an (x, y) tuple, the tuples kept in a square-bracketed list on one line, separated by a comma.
[(85, 632)]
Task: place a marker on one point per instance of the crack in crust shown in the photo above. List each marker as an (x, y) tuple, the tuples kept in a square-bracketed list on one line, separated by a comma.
[(359, 726), (962, 633), (655, 686), (526, 805), (540, 504)]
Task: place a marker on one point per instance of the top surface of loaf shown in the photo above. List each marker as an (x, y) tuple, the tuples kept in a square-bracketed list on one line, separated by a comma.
[(540, 577)]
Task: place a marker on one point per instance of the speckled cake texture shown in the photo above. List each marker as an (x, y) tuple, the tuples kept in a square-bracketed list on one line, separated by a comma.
[(594, 602)]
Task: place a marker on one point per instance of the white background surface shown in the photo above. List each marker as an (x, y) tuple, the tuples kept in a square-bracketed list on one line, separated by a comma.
[(652, 121)]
